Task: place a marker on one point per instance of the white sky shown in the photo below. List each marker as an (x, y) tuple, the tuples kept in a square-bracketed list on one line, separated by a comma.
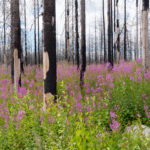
[(93, 8)]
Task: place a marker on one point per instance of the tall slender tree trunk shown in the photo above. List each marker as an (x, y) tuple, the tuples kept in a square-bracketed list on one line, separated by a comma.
[(130, 47), (112, 46), (109, 34), (96, 59), (16, 43), (114, 30), (125, 29), (25, 34), (66, 34), (101, 46), (137, 33), (83, 43), (38, 13), (73, 31), (118, 34), (89, 47), (49, 52), (77, 35), (92, 50), (141, 37), (35, 47), (145, 33), (105, 54), (4, 28), (67, 30)]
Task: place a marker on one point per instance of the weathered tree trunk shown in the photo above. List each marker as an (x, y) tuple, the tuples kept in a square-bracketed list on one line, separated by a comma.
[(96, 60), (114, 30), (92, 49), (4, 28), (16, 43), (118, 34), (130, 47), (67, 31), (89, 47), (77, 35), (109, 34), (101, 46), (35, 48), (73, 31), (137, 34), (25, 34), (38, 13), (141, 37), (66, 54), (112, 46), (145, 33), (49, 52), (105, 54), (125, 29), (83, 43)]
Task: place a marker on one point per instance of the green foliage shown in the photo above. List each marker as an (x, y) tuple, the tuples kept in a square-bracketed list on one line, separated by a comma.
[(92, 119)]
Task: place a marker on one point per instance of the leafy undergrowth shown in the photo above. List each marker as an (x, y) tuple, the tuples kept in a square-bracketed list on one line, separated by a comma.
[(95, 118)]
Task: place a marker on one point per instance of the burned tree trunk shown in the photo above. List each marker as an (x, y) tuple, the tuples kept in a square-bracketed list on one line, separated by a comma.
[(77, 35), (145, 33), (137, 47), (118, 34), (105, 54), (114, 31), (110, 55), (35, 56), (96, 59), (72, 49), (49, 52), (67, 36), (25, 34), (89, 48), (16, 43), (38, 13), (125, 32), (4, 28), (101, 46), (83, 43), (111, 34)]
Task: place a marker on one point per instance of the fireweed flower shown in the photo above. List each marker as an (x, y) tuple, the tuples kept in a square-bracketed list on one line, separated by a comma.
[(139, 60), (20, 115), (67, 121), (87, 90), (115, 126), (72, 93), (147, 75), (113, 115), (145, 107), (105, 106), (79, 107), (89, 109), (144, 96), (138, 115), (51, 119), (41, 118), (6, 125), (27, 81), (79, 96), (86, 120)]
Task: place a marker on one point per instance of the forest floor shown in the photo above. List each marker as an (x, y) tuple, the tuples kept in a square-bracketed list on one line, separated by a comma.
[(100, 116)]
